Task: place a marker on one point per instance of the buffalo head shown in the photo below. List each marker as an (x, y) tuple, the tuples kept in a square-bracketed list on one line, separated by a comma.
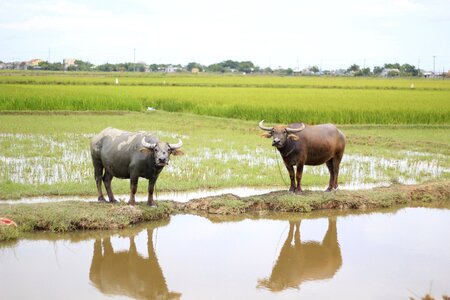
[(162, 151), (280, 134)]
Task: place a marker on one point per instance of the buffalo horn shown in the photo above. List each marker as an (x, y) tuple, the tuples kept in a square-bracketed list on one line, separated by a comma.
[(293, 130), (176, 146), (263, 127), (147, 145)]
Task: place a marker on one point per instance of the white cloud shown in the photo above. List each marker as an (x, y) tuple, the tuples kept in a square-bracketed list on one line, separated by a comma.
[(274, 33)]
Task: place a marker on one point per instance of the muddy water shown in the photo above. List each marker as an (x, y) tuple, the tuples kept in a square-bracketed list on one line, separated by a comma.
[(393, 254)]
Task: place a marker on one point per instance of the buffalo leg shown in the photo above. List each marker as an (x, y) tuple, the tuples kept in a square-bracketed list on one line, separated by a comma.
[(336, 163), (98, 172), (292, 177), (133, 189), (151, 189), (330, 166), (299, 178), (297, 241), (107, 178)]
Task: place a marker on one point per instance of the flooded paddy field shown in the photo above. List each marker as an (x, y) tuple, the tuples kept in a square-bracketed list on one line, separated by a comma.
[(49, 155), (389, 254)]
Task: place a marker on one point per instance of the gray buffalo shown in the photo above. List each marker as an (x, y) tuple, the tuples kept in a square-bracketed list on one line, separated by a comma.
[(311, 145), (122, 154)]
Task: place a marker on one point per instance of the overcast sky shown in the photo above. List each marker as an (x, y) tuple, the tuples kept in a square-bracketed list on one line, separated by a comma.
[(288, 33)]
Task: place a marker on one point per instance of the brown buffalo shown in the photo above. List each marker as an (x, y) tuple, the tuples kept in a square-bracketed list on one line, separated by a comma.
[(300, 144), (300, 262)]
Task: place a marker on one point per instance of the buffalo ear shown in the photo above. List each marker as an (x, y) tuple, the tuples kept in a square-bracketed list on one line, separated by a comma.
[(266, 135), (292, 137), (177, 152), (146, 151)]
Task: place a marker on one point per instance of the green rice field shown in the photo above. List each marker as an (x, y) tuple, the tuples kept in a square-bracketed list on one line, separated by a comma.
[(275, 99)]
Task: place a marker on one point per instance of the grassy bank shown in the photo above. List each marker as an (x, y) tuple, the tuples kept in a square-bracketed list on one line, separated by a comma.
[(75, 216), (283, 201)]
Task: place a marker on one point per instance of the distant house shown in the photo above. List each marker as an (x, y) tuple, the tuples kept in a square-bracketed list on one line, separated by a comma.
[(68, 62), (195, 70), (390, 72), (171, 69), (34, 62)]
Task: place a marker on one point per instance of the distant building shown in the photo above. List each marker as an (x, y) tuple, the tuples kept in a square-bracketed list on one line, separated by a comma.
[(195, 70), (34, 62), (68, 62), (171, 69), (390, 72)]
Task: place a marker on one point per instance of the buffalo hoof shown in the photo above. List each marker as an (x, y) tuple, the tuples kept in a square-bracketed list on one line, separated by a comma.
[(292, 189), (153, 204), (113, 200), (298, 192), (101, 199)]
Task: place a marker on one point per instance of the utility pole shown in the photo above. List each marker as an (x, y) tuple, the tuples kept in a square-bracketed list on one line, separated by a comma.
[(48, 54), (134, 60), (418, 68), (434, 65)]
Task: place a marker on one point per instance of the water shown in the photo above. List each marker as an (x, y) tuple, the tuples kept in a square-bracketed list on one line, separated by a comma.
[(393, 254)]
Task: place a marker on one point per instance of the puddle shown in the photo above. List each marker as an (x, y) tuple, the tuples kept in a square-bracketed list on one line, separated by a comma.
[(378, 255), (67, 159)]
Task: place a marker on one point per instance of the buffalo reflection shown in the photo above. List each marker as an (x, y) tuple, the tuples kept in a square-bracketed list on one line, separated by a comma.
[(299, 262), (127, 272)]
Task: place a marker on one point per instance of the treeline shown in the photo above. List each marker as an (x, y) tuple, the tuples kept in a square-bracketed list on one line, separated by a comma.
[(389, 70), (227, 66)]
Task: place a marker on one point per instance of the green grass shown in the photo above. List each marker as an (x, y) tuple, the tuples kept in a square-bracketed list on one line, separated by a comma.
[(218, 80), (281, 105), (72, 216), (432, 192)]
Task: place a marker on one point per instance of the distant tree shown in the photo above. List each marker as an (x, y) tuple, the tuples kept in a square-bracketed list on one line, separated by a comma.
[(314, 69), (353, 68), (268, 70), (246, 67), (365, 72), (105, 67), (83, 65), (45, 65), (377, 70), (141, 67), (392, 66), (193, 65), (230, 64), (289, 71), (409, 70), (219, 68)]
